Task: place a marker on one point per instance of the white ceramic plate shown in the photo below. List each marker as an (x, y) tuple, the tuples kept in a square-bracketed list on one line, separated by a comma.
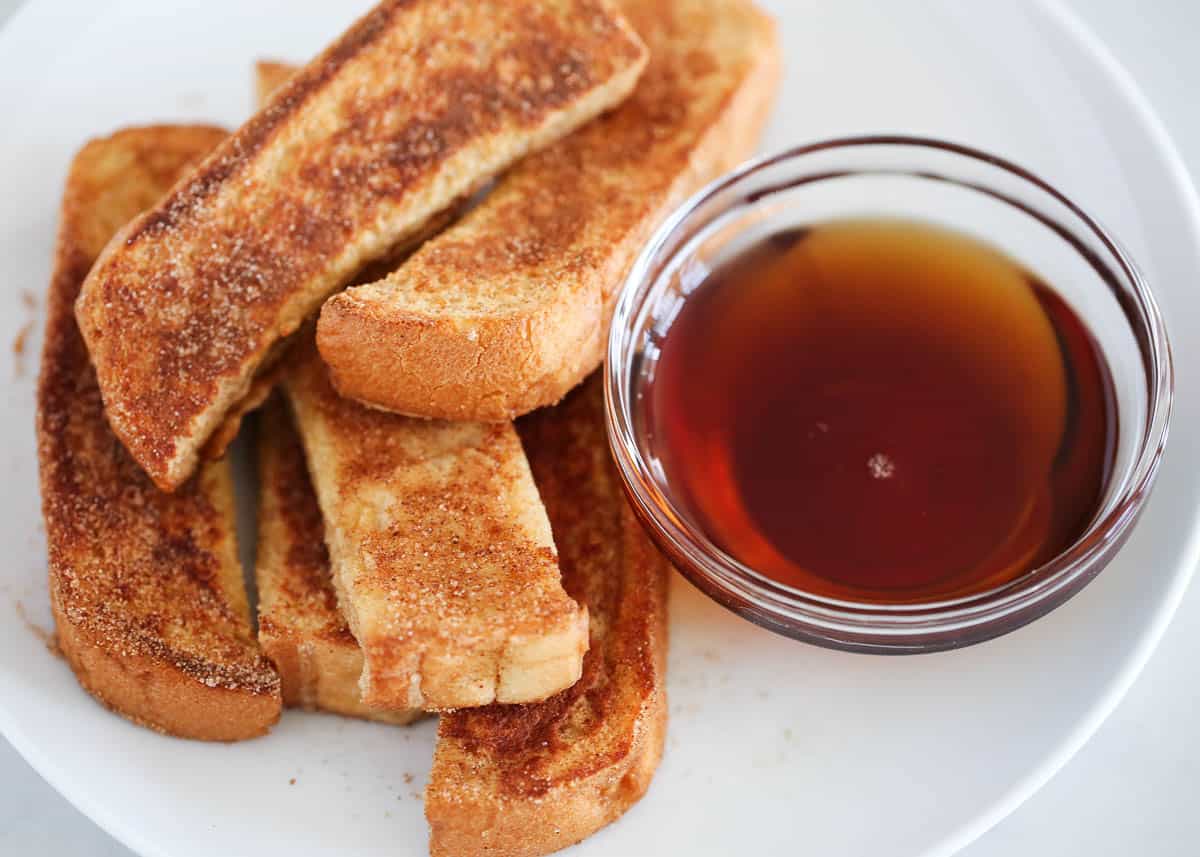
[(774, 746)]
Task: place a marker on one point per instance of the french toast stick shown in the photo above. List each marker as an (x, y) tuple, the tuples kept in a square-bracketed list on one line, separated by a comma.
[(523, 780), (509, 309), (409, 110), (145, 587), (300, 626), (442, 557)]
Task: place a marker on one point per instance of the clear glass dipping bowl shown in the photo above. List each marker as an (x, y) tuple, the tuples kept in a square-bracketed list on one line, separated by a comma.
[(933, 181)]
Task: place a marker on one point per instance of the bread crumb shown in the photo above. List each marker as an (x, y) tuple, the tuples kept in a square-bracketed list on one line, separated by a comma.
[(49, 638), (18, 348), (29, 300)]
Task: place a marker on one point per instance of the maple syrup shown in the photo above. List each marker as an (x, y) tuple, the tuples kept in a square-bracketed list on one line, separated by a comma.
[(882, 411)]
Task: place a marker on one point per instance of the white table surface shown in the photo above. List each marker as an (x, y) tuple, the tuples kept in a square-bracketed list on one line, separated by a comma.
[(1131, 790)]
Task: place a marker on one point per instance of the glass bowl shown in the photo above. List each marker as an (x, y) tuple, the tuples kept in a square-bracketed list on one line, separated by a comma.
[(937, 182)]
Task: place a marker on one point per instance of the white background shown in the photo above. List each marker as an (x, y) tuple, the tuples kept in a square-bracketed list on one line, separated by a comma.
[(1132, 789)]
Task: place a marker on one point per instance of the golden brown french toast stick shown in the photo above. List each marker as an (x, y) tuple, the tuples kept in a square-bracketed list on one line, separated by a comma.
[(523, 780), (300, 625), (145, 586), (442, 556), (414, 106), (509, 309)]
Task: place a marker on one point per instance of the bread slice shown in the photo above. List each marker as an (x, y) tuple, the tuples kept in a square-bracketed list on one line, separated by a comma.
[(442, 556), (300, 626), (146, 587), (410, 109), (509, 309), (510, 781)]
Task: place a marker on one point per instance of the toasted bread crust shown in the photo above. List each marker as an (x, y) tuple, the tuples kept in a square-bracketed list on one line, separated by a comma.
[(523, 780), (509, 309), (406, 112), (145, 587), (442, 556), (299, 624)]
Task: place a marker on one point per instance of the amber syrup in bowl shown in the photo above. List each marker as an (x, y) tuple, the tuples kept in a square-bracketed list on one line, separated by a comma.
[(887, 394), (883, 410)]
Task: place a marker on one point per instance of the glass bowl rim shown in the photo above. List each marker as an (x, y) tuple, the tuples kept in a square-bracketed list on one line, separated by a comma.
[(819, 616)]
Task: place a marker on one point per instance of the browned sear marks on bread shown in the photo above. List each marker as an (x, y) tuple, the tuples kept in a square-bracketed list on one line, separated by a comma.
[(407, 111), (529, 779), (300, 625), (509, 309), (145, 587), (442, 555)]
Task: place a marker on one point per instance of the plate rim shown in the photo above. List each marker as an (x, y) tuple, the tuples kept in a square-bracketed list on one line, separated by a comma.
[(1124, 84)]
